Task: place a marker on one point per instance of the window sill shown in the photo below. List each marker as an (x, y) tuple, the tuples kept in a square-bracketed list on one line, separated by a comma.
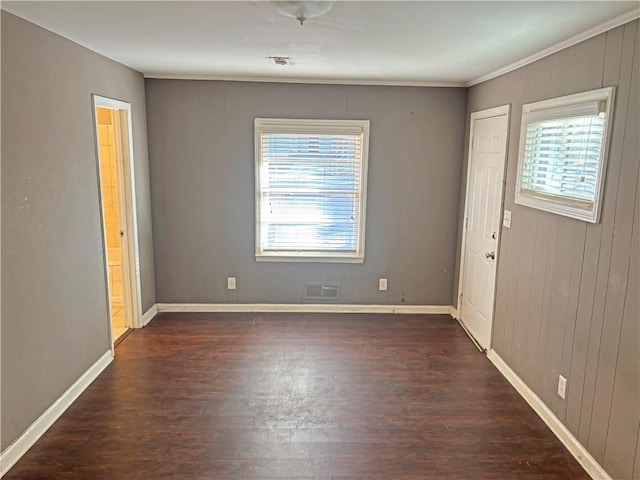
[(558, 207), (308, 258)]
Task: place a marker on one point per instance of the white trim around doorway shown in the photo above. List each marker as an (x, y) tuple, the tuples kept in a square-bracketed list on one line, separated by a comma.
[(127, 199), (488, 113)]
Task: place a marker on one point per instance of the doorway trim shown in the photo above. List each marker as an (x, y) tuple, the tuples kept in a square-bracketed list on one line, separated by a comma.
[(132, 290), (475, 116)]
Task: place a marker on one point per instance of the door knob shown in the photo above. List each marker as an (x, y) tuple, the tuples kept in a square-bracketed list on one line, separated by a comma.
[(491, 255)]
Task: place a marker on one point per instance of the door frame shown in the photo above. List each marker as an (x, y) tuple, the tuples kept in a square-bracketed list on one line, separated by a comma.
[(131, 285), (475, 116)]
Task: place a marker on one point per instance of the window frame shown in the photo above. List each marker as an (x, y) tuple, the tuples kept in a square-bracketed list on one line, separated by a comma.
[(554, 109), (311, 126)]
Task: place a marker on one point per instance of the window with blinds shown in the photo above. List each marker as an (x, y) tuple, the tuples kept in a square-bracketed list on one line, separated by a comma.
[(563, 146), (311, 189)]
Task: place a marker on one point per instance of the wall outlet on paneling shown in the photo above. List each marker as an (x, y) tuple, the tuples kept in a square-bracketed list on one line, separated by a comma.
[(506, 219), (382, 284), (562, 386), (231, 283)]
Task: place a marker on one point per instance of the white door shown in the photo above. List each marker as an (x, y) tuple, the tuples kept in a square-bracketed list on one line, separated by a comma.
[(482, 221)]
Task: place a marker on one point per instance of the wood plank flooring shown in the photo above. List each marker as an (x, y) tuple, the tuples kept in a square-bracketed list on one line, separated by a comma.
[(298, 396)]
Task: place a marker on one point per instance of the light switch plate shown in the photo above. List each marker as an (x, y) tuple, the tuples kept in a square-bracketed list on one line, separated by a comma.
[(231, 283), (562, 386), (382, 284), (506, 219)]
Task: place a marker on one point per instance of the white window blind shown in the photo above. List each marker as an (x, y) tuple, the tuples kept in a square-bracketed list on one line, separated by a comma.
[(311, 180), (563, 154)]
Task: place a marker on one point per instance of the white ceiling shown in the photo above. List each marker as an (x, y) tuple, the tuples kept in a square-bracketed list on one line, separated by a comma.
[(414, 42)]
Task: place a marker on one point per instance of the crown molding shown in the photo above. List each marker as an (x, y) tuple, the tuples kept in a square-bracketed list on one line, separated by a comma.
[(327, 81), (581, 37)]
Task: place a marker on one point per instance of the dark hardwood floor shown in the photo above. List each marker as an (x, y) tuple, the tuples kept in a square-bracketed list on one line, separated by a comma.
[(296, 396)]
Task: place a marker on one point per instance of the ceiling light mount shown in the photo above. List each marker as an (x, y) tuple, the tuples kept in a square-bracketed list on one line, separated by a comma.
[(302, 10)]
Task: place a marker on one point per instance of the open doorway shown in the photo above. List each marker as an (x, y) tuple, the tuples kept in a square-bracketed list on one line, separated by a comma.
[(117, 200)]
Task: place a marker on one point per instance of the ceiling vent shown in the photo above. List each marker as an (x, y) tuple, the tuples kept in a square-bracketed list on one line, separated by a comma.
[(281, 60), (321, 292)]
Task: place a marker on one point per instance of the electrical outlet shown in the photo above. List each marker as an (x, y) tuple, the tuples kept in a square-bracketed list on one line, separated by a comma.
[(382, 284), (231, 283), (562, 386), (506, 219)]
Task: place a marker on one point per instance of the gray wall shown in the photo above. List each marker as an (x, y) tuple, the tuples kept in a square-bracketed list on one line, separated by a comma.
[(54, 311), (567, 294), (201, 153)]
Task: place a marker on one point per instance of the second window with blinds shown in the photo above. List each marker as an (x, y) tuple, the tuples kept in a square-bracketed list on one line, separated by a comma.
[(563, 154), (311, 178)]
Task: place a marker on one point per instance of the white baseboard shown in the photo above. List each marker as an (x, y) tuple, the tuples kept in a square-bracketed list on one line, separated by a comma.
[(17, 449), (453, 311), (593, 468), (302, 308), (148, 316)]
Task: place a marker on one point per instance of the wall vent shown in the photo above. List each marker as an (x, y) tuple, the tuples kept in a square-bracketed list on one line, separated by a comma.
[(281, 60), (321, 292)]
